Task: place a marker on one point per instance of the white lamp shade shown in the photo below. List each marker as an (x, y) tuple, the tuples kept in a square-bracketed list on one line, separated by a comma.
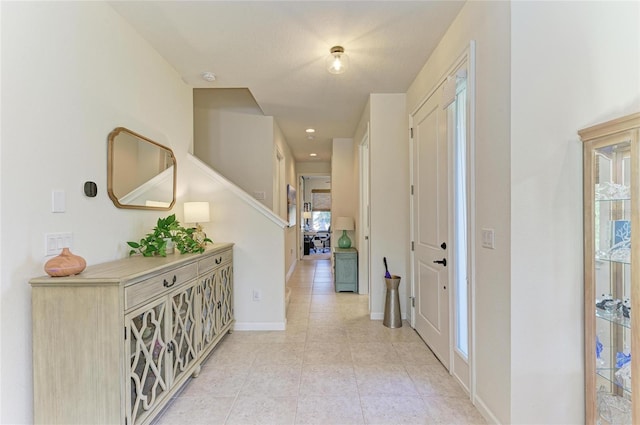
[(344, 223), (306, 214), (196, 212)]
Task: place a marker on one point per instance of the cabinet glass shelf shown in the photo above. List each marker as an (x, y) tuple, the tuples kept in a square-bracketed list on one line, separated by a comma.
[(614, 318)]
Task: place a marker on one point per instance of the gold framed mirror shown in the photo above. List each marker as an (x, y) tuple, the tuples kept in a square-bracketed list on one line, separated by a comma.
[(141, 173)]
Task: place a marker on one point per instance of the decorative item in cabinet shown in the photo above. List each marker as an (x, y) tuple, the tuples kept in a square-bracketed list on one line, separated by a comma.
[(611, 154)]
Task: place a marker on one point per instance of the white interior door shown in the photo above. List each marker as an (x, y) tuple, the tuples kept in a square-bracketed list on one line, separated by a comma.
[(430, 227), (364, 286), (279, 188), (301, 202)]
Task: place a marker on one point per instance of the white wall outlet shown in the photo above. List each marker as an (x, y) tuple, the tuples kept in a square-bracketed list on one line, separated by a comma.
[(54, 242), (488, 238), (257, 295)]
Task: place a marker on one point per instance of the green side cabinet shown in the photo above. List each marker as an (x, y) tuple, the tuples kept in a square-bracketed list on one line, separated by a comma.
[(345, 272)]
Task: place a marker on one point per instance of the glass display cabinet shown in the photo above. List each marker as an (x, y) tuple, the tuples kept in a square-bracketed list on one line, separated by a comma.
[(612, 271)]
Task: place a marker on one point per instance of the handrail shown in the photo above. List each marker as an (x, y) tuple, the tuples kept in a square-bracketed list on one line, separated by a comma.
[(239, 192)]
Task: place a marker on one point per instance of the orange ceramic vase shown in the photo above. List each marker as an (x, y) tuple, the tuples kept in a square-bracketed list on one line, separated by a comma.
[(65, 264)]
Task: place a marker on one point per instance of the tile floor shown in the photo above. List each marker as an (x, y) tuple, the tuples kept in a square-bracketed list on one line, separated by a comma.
[(331, 366)]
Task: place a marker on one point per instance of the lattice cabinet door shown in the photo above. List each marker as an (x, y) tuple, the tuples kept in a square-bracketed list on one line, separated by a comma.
[(225, 300), (209, 322), (146, 345), (182, 346)]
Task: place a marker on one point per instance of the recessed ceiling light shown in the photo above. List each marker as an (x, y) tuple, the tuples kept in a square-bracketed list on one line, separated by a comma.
[(313, 154), (310, 130)]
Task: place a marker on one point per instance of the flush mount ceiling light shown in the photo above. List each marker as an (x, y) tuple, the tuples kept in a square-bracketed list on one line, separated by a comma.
[(310, 130), (337, 61), (313, 154), (208, 76)]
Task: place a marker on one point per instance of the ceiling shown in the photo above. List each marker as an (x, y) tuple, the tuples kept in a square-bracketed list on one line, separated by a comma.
[(277, 49)]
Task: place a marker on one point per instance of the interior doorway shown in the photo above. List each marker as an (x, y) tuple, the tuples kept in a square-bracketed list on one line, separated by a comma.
[(315, 214), (364, 222)]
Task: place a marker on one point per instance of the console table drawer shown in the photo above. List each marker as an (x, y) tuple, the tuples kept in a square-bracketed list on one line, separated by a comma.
[(146, 289), (209, 263)]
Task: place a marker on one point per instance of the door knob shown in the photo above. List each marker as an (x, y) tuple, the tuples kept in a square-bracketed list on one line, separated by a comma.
[(443, 262)]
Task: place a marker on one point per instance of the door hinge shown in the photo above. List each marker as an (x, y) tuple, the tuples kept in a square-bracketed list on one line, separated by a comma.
[(411, 132), (412, 189), (125, 333), (413, 301), (412, 246)]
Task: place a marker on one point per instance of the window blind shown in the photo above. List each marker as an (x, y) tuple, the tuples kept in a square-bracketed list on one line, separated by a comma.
[(321, 199)]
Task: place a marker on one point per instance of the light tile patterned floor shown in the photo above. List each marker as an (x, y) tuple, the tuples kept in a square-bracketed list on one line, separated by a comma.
[(331, 366)]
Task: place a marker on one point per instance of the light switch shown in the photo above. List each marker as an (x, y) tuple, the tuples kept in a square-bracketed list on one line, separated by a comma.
[(58, 201), (488, 238), (54, 242)]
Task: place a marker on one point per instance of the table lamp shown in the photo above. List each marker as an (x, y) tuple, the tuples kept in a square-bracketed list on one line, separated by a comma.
[(344, 224), (197, 212), (306, 215)]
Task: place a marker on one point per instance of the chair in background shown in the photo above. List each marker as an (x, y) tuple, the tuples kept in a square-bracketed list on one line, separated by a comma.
[(318, 245), (323, 237)]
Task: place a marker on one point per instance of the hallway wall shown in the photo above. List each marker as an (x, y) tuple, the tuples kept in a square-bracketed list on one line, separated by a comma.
[(561, 81), (71, 73), (488, 23)]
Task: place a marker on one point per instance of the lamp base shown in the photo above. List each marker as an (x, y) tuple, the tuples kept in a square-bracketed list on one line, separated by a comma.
[(344, 241), (199, 235)]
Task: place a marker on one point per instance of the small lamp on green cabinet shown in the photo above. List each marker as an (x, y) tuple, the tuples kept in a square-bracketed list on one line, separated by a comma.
[(344, 224)]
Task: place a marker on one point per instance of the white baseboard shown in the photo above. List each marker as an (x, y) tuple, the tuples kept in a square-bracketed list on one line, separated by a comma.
[(290, 272), (259, 326), (380, 316), (485, 411)]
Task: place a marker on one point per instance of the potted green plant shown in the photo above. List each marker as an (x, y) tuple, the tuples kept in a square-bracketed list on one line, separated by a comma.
[(166, 233)]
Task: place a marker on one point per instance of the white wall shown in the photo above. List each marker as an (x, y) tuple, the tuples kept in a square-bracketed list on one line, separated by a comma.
[(313, 168), (255, 230), (238, 145), (489, 24), (291, 233), (71, 72), (343, 200), (389, 203), (583, 68), (233, 137)]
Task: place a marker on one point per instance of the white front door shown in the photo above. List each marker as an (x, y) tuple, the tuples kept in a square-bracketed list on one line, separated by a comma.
[(430, 227)]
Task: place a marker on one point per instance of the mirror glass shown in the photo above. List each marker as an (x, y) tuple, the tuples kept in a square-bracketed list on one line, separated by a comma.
[(141, 173)]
